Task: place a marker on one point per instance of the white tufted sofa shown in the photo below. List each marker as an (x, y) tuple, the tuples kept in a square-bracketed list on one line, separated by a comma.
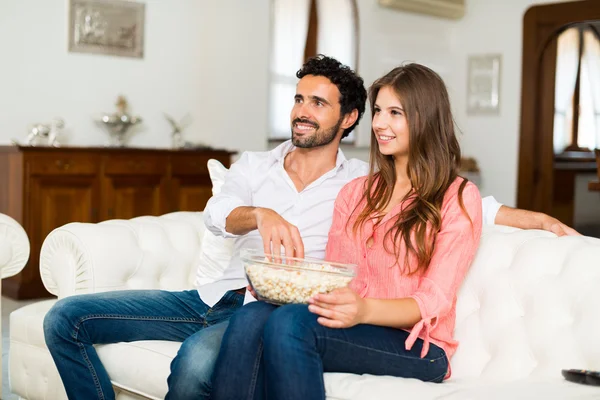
[(14, 253), (529, 307)]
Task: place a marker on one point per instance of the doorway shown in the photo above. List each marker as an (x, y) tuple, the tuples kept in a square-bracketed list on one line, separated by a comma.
[(550, 173)]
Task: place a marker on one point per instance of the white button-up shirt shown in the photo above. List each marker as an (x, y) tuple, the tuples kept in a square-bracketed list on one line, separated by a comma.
[(258, 179)]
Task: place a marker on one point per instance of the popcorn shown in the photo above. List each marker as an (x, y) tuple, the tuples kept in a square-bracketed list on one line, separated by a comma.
[(282, 286)]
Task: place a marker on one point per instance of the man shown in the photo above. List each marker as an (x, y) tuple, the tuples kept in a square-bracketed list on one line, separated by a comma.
[(279, 198)]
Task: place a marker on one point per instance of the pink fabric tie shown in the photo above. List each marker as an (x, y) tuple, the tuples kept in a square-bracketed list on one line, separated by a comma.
[(414, 335)]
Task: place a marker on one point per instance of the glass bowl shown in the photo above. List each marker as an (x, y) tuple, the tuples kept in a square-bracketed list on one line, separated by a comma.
[(290, 280)]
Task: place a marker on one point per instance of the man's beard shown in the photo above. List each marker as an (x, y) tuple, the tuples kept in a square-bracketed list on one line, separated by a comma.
[(319, 138)]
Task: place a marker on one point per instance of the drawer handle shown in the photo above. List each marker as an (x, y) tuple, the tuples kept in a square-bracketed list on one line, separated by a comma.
[(60, 164)]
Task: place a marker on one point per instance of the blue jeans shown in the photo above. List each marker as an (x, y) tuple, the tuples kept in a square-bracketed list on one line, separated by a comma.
[(76, 323), (282, 352)]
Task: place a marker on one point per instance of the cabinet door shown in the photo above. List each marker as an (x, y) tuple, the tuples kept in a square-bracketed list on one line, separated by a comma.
[(133, 186), (129, 196), (54, 201), (190, 193), (191, 186), (58, 200)]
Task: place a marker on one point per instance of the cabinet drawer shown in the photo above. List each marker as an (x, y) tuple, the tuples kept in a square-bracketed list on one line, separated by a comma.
[(63, 164), (190, 165), (128, 165)]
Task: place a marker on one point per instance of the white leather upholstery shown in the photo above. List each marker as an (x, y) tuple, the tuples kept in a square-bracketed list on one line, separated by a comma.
[(14, 253), (528, 308), (14, 247), (141, 253)]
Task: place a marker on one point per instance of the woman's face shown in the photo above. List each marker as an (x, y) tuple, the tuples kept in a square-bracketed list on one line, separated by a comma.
[(390, 125)]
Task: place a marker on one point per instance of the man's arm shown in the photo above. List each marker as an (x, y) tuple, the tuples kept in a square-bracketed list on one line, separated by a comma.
[(241, 220), (235, 192), (532, 220), (496, 213), (231, 213)]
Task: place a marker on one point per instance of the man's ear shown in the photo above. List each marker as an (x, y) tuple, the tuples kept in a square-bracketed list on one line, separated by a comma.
[(349, 119)]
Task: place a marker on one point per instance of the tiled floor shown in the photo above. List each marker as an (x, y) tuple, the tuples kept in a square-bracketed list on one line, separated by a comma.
[(8, 306)]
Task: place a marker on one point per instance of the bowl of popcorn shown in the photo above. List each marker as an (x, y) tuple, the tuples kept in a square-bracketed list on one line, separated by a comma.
[(287, 280)]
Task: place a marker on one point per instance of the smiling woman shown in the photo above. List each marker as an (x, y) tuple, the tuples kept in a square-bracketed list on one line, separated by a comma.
[(302, 29)]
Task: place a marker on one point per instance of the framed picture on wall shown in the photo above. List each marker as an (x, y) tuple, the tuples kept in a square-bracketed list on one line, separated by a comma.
[(483, 84), (109, 27)]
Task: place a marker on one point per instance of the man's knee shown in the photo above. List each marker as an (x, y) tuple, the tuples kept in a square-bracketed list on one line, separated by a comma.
[(62, 318), (192, 368)]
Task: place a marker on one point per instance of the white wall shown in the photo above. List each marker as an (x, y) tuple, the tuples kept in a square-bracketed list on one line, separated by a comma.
[(390, 38), (206, 58), (492, 26), (210, 58)]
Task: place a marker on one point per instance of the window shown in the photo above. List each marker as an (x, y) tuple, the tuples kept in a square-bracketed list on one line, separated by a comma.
[(302, 29), (577, 90)]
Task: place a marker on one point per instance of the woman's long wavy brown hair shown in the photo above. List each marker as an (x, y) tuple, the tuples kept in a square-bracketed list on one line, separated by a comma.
[(433, 163)]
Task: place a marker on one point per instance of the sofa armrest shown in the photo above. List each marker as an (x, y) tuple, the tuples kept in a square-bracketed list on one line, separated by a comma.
[(14, 247), (141, 253)]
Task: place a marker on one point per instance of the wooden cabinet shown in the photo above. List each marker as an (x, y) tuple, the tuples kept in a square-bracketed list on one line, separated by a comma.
[(44, 188)]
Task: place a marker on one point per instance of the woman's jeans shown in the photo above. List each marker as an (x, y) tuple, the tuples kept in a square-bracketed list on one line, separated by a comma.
[(281, 353), (76, 323)]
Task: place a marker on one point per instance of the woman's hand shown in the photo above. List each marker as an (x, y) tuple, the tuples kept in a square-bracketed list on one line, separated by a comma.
[(252, 292), (342, 308)]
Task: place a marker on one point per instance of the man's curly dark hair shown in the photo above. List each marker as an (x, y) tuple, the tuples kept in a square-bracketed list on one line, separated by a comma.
[(350, 85)]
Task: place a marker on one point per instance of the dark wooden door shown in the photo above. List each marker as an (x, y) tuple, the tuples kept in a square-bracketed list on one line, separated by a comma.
[(540, 187)]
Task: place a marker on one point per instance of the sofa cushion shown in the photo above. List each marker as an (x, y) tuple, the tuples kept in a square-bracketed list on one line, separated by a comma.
[(215, 251)]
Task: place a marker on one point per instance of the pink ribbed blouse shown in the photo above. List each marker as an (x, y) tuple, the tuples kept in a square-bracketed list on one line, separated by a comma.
[(379, 275)]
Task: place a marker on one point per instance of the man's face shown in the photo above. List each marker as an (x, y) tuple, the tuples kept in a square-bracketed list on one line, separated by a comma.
[(316, 116)]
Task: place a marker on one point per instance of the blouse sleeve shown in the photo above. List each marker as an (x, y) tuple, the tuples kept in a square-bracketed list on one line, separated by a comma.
[(455, 248)]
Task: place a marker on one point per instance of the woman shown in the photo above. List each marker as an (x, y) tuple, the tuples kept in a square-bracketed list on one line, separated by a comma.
[(412, 226)]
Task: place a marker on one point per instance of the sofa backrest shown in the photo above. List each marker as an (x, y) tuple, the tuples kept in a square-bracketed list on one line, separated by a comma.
[(529, 306)]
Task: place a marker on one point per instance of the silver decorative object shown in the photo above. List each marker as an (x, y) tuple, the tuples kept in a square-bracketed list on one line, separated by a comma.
[(45, 134), (177, 141), (110, 27), (119, 123)]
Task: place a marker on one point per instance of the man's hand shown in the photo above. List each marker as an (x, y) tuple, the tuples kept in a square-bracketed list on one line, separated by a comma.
[(558, 228), (342, 308), (276, 231), (525, 219)]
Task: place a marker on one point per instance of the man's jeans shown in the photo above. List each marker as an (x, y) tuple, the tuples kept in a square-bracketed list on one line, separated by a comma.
[(76, 323), (281, 353)]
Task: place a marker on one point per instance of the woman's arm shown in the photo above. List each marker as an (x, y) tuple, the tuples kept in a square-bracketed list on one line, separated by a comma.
[(344, 308)]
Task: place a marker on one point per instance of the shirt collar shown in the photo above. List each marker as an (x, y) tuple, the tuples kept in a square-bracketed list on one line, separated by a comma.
[(279, 153)]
